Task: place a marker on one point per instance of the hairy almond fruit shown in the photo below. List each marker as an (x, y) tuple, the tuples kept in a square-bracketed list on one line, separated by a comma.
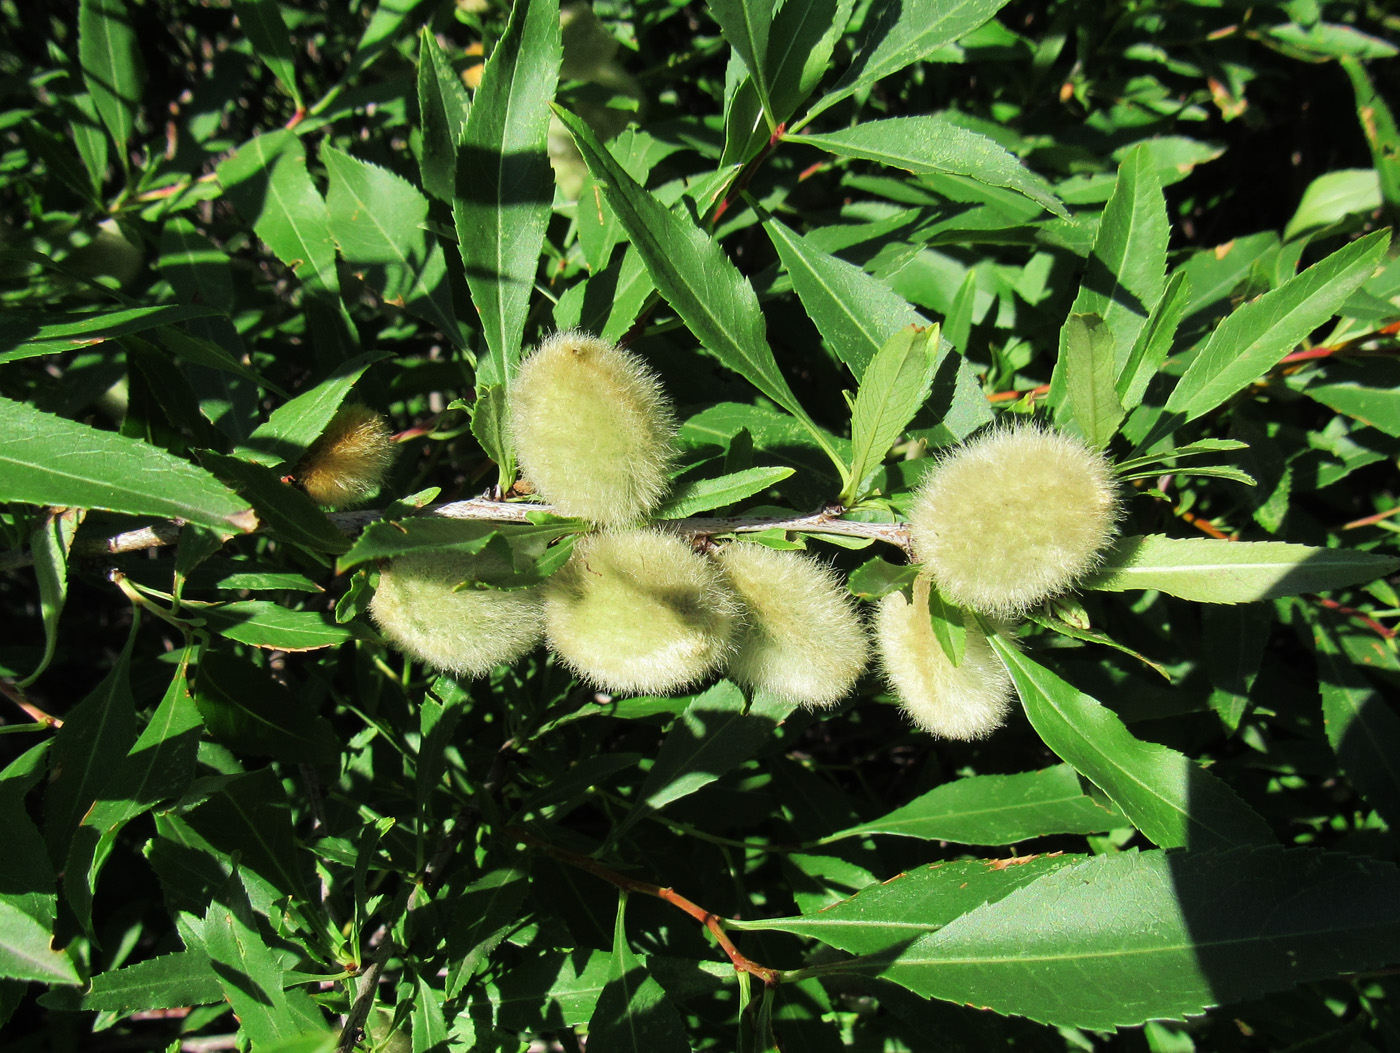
[(348, 463), (966, 701), (802, 640), (466, 632), (639, 612), (1013, 517), (592, 428)]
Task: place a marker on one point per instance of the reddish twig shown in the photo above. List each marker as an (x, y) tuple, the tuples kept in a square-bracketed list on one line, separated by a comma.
[(1012, 396), (32, 711), (1366, 521), (1351, 612), (709, 919), (1205, 527), (746, 175), (1337, 349)]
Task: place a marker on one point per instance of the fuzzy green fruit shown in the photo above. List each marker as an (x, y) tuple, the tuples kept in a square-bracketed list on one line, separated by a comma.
[(466, 632), (592, 429), (967, 701), (802, 641), (638, 611), (1013, 517)]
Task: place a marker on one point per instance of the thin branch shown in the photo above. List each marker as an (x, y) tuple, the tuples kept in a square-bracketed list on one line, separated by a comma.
[(709, 919), (827, 521), (33, 712)]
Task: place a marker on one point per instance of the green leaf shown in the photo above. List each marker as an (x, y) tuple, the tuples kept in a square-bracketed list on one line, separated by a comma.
[(159, 766), (745, 24), (877, 578), (1165, 794), (26, 952), (1253, 339), (948, 624), (87, 751), (1367, 390), (504, 184), (384, 540), (1076, 948), (251, 974), (442, 108), (249, 711), (1362, 728), (261, 21), (893, 387), (27, 882), (901, 34), (1332, 197), (47, 338), (294, 425), (111, 60), (912, 904), (1154, 341), (633, 1014), (249, 815), (1089, 376), (715, 301), (933, 146), (490, 424), (485, 912), (268, 183), (429, 1026), (285, 511), (377, 219), (265, 624), (996, 810), (702, 495), (718, 731), (46, 460), (166, 982), (1126, 273), (557, 988), (1379, 126), (1211, 571), (853, 311), (50, 543)]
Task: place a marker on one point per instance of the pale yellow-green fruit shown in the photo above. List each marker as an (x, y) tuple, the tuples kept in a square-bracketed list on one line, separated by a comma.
[(1013, 517), (349, 461), (967, 701), (592, 429), (466, 632), (639, 612), (802, 640)]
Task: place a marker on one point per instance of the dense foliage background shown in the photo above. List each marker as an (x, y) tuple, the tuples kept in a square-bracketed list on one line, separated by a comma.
[(231, 816)]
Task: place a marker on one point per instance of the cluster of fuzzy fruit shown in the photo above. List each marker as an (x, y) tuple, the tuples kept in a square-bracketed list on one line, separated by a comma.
[(638, 610)]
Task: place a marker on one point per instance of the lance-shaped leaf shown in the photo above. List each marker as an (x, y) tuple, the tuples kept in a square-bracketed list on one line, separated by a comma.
[(169, 981), (717, 732), (633, 1014), (1165, 794), (295, 424), (47, 460), (504, 183), (1089, 374), (893, 913), (1362, 728), (1212, 571), (262, 22), (690, 269), (900, 35), (895, 385), (50, 542), (26, 951), (704, 494), (996, 810), (111, 62), (442, 108), (934, 146), (377, 219), (1253, 339), (1368, 390), (1076, 948), (745, 24), (854, 311)]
